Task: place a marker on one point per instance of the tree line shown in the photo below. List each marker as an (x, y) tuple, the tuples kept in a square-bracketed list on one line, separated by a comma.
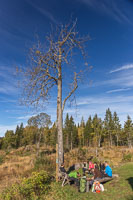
[(95, 132)]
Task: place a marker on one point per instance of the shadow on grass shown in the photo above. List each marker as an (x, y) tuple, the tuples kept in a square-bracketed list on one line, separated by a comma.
[(130, 181)]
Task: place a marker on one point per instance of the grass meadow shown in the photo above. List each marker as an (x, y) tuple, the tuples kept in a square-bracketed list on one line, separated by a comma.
[(120, 188)]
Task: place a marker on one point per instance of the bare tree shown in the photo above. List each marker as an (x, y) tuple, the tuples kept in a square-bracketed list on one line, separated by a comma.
[(39, 121), (46, 71)]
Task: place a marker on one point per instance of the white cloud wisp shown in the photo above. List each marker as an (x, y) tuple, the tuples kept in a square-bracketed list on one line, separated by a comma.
[(124, 67)]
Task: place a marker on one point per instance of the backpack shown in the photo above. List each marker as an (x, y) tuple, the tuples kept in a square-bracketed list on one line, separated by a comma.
[(97, 187), (82, 187)]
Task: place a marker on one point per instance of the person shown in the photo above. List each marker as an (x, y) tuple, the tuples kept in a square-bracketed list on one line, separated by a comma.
[(85, 168), (73, 176), (97, 187), (102, 168), (62, 168), (71, 168), (96, 175), (91, 165), (96, 165), (108, 170)]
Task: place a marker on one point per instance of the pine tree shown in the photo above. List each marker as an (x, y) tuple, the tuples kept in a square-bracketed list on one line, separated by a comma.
[(73, 133), (117, 127), (8, 141), (97, 126), (53, 135), (108, 125), (81, 132), (128, 129), (87, 132), (19, 135), (67, 132)]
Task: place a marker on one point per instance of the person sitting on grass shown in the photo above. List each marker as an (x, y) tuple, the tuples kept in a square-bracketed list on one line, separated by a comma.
[(96, 172), (85, 168), (108, 170), (96, 165), (102, 168), (73, 176), (96, 175), (62, 168)]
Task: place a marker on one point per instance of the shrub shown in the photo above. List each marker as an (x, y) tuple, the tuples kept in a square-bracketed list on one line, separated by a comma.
[(11, 193), (127, 157), (30, 188), (36, 185)]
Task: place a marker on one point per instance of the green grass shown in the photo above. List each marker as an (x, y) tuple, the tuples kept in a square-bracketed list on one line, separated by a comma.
[(118, 189)]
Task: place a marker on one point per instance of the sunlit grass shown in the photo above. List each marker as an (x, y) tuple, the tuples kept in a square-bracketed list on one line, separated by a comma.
[(120, 188)]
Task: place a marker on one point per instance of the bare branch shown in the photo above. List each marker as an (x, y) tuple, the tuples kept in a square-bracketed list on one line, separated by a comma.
[(72, 91)]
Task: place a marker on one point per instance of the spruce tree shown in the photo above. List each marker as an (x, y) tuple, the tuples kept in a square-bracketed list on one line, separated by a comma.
[(87, 132), (117, 128), (108, 125), (128, 129)]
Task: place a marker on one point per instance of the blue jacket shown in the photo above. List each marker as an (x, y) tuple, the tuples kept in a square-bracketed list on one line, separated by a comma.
[(108, 171)]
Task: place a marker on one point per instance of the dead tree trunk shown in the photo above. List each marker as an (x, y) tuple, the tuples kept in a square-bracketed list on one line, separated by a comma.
[(47, 71), (59, 113)]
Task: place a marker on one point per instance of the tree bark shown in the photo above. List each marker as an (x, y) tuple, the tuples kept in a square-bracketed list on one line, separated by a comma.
[(59, 114)]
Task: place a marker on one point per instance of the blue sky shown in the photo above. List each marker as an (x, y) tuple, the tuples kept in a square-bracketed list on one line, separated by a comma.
[(110, 83)]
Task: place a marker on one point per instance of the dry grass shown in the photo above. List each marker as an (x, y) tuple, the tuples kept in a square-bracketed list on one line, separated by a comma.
[(20, 162), (114, 155), (14, 167)]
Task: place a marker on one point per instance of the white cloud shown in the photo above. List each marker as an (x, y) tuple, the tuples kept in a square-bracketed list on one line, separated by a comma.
[(102, 99), (98, 104), (8, 89), (118, 90), (111, 8), (8, 80), (123, 79), (43, 11), (7, 100), (4, 128), (25, 117), (124, 67)]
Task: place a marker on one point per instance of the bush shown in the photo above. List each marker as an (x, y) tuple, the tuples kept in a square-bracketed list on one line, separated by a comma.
[(30, 188), (127, 157), (11, 193), (36, 185)]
